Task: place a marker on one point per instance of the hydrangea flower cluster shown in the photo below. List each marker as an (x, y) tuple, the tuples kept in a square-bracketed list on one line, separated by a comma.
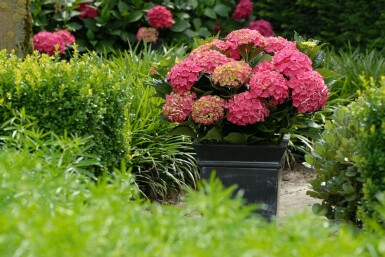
[(262, 26), (49, 42), (148, 35), (87, 11), (243, 10), (159, 17), (215, 88)]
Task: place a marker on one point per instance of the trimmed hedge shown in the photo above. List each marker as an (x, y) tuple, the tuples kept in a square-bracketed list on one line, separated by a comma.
[(81, 96)]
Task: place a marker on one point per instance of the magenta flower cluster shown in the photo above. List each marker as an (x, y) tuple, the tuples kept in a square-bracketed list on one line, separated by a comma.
[(217, 81), (262, 26), (243, 10), (159, 17), (87, 11), (49, 42)]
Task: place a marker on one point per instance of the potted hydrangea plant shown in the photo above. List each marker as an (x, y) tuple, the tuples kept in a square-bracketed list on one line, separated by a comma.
[(238, 98)]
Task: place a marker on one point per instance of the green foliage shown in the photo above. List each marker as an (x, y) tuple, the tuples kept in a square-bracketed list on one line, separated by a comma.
[(45, 211), (82, 96), (118, 21), (338, 183), (339, 22), (67, 152), (163, 163), (371, 147), (354, 66)]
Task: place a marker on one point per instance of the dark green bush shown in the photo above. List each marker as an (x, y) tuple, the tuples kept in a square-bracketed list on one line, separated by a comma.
[(339, 22), (82, 96)]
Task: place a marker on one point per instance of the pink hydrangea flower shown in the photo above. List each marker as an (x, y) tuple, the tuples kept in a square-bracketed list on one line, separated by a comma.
[(178, 107), (87, 11), (148, 35), (183, 76), (232, 74), (309, 91), (291, 62), (46, 42), (208, 109), (159, 17), (244, 109), (263, 66), (209, 60), (269, 84), (243, 10), (276, 44), (67, 37), (246, 36), (262, 26)]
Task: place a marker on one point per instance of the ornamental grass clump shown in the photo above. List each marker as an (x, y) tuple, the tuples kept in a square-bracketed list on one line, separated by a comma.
[(246, 88)]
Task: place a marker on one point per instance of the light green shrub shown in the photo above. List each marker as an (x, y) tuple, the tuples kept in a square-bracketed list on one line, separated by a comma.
[(369, 114), (45, 211), (82, 96)]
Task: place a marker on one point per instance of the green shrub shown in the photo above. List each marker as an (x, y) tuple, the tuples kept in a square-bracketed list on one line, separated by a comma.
[(371, 147), (67, 152), (82, 96), (338, 183), (45, 211)]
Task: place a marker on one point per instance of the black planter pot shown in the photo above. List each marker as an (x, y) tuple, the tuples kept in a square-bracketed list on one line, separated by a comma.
[(255, 169)]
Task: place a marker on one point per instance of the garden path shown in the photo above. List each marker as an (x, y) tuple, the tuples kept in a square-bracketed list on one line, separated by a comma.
[(293, 196)]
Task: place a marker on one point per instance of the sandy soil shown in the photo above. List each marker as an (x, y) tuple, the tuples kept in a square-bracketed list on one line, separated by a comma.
[(293, 196)]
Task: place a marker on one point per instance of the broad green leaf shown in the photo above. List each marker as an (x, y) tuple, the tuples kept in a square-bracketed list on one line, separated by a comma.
[(235, 138), (213, 134), (123, 7), (134, 16), (222, 10), (210, 13), (183, 130), (180, 25)]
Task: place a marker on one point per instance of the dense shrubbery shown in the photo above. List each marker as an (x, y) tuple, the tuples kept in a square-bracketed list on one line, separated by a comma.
[(369, 114), (105, 99), (81, 96), (349, 159), (336, 22), (46, 211), (114, 24)]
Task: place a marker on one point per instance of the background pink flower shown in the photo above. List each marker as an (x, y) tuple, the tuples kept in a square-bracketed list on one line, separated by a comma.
[(183, 76), (148, 35), (87, 11), (291, 62), (262, 26), (67, 37), (269, 84), (178, 107), (243, 10), (208, 109), (159, 17), (309, 91), (232, 74), (46, 42), (244, 109)]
